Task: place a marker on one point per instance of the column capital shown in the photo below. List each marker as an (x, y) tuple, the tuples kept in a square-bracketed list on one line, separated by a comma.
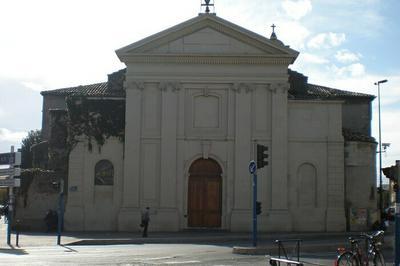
[(239, 87), (134, 84), (279, 87), (174, 86)]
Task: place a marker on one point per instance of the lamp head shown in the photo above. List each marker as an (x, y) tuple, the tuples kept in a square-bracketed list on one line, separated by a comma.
[(386, 145), (381, 81)]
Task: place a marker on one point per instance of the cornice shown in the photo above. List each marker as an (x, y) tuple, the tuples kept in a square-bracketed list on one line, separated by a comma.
[(208, 59)]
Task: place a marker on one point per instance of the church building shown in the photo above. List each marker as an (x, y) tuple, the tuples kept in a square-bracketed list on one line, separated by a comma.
[(191, 105)]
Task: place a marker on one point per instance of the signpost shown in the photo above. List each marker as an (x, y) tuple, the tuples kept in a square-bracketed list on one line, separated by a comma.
[(253, 171), (11, 159)]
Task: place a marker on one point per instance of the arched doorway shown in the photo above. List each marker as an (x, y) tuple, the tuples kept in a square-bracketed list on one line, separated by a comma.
[(205, 194)]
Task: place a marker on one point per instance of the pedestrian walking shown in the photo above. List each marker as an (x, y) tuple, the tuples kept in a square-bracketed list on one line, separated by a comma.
[(145, 221)]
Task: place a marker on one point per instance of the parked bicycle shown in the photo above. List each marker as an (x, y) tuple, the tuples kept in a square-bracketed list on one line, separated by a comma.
[(357, 256)]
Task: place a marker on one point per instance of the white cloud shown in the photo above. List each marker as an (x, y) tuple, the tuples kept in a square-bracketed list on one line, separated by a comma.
[(312, 59), (345, 56), (353, 70), (33, 85), (292, 33), (297, 9), (10, 136), (327, 40)]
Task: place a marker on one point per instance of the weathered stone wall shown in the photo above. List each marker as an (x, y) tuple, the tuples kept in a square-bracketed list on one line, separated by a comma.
[(360, 183), (357, 116), (316, 188), (35, 197), (92, 207), (50, 102)]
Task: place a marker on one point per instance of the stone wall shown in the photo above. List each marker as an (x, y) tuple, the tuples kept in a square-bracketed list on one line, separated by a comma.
[(50, 102), (360, 184), (34, 198)]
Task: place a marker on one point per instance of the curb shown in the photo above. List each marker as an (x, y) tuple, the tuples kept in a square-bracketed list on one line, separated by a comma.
[(268, 250), (253, 250)]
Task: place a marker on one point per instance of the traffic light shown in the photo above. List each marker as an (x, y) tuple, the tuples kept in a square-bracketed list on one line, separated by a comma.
[(262, 156), (258, 207)]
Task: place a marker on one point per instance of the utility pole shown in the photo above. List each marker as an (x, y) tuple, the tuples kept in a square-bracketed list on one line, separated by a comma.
[(10, 204), (380, 150), (397, 217)]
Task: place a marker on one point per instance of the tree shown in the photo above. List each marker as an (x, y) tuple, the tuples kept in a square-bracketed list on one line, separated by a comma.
[(34, 137)]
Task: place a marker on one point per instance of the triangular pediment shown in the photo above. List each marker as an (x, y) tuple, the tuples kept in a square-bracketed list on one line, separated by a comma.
[(207, 35), (206, 41)]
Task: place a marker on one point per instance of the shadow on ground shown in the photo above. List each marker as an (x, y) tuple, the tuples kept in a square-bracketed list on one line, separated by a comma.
[(13, 250)]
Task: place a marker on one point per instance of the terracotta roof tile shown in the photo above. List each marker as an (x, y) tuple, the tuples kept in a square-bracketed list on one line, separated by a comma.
[(326, 92), (94, 90)]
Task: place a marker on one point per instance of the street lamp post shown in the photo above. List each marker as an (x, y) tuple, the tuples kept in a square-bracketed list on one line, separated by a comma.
[(380, 149)]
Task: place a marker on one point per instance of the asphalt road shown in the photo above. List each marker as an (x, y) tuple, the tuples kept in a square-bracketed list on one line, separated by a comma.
[(143, 254)]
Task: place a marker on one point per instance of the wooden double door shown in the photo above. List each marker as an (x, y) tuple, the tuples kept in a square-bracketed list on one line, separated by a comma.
[(205, 194)]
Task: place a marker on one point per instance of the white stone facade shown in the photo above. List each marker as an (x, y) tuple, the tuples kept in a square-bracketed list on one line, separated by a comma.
[(210, 89)]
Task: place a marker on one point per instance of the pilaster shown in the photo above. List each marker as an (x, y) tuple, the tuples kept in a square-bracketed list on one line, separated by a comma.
[(169, 115), (133, 114), (242, 182), (279, 149)]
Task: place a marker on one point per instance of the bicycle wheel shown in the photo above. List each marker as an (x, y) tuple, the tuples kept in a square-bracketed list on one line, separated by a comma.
[(347, 258), (378, 259)]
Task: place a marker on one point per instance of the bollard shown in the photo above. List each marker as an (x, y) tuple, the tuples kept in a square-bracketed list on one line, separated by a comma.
[(17, 233)]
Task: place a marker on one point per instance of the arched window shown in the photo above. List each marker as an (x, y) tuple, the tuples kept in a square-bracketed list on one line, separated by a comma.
[(104, 173)]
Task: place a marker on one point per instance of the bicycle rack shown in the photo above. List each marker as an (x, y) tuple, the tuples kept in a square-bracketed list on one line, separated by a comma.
[(283, 254)]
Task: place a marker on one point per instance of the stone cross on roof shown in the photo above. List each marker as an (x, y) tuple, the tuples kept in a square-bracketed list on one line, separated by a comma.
[(207, 4), (273, 35)]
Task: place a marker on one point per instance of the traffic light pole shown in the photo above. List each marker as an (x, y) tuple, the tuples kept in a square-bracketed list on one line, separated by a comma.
[(397, 218), (254, 209)]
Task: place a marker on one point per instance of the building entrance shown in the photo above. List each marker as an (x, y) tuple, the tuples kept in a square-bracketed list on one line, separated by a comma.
[(205, 194)]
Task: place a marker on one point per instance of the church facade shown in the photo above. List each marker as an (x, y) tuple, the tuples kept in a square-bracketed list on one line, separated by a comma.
[(198, 98)]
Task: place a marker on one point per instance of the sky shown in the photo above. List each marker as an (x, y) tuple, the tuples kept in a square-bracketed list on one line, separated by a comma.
[(51, 44)]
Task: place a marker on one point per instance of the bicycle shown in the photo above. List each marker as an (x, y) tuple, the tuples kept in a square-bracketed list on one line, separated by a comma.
[(356, 256)]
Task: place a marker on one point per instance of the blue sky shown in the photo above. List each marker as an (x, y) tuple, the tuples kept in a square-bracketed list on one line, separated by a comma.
[(47, 44)]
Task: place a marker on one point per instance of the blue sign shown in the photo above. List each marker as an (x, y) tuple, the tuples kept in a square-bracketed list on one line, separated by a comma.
[(252, 167)]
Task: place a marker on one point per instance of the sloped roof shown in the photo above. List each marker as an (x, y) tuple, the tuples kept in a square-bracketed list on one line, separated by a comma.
[(112, 88), (300, 89), (326, 92), (97, 89)]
